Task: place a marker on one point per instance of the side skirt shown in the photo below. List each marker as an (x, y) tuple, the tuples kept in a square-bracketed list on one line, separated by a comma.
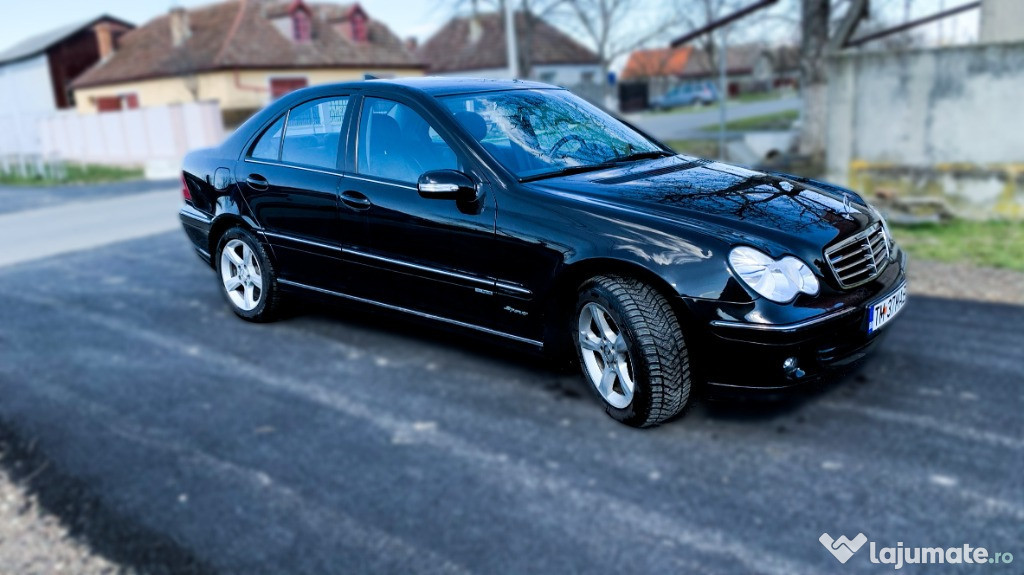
[(538, 344)]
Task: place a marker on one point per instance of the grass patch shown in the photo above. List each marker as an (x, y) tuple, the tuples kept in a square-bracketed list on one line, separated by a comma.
[(699, 148), (756, 97), (988, 243), (777, 121), (72, 174)]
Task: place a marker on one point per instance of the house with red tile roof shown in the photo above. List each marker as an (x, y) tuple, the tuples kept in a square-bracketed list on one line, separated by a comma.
[(656, 63), (242, 54), (475, 46)]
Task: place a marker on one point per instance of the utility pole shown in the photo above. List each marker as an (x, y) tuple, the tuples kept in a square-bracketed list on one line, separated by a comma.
[(723, 90), (511, 41)]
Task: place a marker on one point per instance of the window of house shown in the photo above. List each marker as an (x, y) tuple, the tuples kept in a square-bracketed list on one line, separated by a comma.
[(360, 28), (587, 77), (281, 86), (547, 77), (117, 103), (396, 143), (313, 133), (302, 26)]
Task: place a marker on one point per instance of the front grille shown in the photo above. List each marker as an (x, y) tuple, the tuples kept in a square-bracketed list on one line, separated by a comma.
[(859, 259)]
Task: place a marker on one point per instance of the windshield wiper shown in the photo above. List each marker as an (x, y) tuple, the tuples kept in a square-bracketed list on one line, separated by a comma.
[(640, 156), (603, 165), (568, 171)]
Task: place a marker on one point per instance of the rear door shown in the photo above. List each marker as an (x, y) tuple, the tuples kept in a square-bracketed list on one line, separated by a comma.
[(292, 175)]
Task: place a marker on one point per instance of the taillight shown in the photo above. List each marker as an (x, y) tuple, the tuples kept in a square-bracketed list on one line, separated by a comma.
[(185, 192)]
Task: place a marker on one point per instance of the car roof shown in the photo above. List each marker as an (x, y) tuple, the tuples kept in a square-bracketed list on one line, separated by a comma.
[(447, 86)]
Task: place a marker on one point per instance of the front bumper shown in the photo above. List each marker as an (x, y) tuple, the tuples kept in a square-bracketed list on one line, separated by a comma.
[(737, 355)]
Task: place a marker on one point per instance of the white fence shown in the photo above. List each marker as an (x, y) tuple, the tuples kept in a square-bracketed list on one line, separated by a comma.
[(154, 138), (132, 137)]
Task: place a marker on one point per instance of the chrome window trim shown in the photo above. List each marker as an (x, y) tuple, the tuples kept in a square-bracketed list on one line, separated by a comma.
[(784, 327), (376, 180), (339, 174), (295, 166), (425, 315)]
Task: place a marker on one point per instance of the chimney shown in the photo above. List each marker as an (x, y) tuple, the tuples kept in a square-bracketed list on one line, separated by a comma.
[(180, 30), (104, 40), (476, 30), (411, 44)]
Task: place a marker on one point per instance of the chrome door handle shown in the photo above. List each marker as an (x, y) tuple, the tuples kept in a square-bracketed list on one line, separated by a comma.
[(257, 182), (356, 200)]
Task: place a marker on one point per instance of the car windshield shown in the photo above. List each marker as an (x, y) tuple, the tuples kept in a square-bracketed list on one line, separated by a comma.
[(541, 133)]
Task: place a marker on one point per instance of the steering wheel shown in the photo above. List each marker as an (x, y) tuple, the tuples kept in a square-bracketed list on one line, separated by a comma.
[(563, 141)]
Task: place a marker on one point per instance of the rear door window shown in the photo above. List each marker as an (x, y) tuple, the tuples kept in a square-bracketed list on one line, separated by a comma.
[(313, 133)]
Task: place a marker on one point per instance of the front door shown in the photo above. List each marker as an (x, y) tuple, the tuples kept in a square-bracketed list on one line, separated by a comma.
[(428, 255)]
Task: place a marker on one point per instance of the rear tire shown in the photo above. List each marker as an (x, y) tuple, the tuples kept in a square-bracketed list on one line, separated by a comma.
[(631, 350), (247, 277)]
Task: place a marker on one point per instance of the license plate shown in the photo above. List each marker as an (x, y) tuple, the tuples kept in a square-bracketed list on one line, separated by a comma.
[(881, 312)]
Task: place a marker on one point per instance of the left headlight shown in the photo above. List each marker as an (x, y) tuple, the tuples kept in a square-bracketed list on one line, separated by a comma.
[(778, 280)]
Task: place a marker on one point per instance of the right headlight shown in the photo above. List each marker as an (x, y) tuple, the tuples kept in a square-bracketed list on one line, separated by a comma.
[(778, 280)]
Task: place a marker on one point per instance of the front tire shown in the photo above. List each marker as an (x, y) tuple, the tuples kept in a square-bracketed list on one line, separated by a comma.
[(631, 350), (247, 277)]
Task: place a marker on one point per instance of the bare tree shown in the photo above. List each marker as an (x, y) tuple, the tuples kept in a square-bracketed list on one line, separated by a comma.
[(699, 13), (614, 28)]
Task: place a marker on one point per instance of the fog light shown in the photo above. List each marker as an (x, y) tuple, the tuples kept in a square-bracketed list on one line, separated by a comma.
[(792, 368)]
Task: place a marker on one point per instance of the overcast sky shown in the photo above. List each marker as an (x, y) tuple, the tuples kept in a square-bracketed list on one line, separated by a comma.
[(418, 18)]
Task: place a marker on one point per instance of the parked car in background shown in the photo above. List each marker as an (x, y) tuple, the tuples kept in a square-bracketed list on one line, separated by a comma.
[(521, 212), (690, 94)]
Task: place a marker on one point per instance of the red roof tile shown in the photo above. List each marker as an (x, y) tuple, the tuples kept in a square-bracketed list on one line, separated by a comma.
[(241, 34), (456, 47), (656, 62)]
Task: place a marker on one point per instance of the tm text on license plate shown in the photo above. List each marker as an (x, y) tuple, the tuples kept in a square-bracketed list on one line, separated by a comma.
[(882, 311)]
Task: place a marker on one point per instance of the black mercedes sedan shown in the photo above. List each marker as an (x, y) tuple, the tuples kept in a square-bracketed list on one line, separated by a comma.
[(519, 211)]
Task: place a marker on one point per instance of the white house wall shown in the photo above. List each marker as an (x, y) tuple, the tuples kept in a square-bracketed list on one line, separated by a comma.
[(26, 95), (25, 86)]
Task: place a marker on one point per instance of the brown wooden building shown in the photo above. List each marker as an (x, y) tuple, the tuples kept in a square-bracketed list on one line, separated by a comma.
[(36, 74)]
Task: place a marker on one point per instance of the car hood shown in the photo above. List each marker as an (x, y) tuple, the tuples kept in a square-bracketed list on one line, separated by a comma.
[(774, 212)]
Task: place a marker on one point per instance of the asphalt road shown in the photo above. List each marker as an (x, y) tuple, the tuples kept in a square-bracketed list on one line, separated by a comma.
[(343, 442), (21, 198), (687, 125)]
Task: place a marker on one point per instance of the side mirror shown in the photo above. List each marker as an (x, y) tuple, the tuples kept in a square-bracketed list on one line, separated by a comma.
[(447, 185)]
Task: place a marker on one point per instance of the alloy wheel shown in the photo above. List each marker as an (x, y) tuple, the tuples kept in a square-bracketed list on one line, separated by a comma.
[(605, 354), (240, 271)]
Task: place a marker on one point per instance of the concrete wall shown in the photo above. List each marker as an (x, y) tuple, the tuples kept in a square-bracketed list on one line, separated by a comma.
[(940, 122), (1002, 21)]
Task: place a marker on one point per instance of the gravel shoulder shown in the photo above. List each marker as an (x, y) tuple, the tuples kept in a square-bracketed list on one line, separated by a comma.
[(84, 537), (965, 282)]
